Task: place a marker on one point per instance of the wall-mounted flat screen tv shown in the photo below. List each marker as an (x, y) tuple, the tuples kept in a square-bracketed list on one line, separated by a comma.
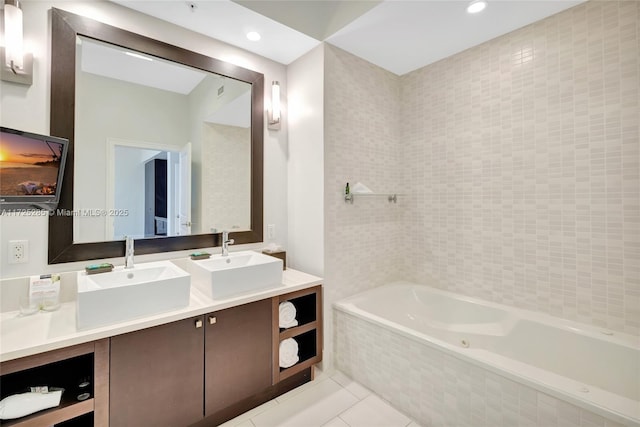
[(31, 170)]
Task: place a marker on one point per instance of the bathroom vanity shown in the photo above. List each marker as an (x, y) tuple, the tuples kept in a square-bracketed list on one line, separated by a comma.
[(200, 365), (136, 359)]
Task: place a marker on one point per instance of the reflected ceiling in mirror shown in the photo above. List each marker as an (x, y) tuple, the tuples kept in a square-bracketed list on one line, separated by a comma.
[(148, 116)]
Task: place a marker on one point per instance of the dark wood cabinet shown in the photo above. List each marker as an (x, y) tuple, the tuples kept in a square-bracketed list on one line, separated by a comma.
[(64, 368), (156, 375), (200, 371), (238, 354)]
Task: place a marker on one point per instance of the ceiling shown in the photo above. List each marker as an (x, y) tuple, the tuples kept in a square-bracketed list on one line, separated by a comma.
[(108, 60), (118, 63), (397, 35)]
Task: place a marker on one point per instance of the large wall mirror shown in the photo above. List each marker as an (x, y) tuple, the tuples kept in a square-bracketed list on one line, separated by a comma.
[(166, 144)]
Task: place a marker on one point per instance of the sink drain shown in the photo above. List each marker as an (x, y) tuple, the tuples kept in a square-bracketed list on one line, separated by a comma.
[(464, 343)]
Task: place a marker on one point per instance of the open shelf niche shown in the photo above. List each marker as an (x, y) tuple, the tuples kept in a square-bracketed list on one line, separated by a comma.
[(308, 333), (64, 368)]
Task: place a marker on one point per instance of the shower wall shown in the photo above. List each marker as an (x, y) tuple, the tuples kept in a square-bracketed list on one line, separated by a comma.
[(522, 160)]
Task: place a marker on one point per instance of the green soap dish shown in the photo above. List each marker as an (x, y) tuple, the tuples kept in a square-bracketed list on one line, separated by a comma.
[(99, 268), (200, 255)]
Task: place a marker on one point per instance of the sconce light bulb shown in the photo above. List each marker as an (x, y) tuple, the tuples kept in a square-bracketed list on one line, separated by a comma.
[(14, 51), (275, 101)]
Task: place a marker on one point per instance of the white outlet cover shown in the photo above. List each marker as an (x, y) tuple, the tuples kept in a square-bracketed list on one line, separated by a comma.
[(18, 251)]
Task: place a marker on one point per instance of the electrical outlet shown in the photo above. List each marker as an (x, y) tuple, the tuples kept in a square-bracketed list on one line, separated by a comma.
[(271, 231), (18, 251)]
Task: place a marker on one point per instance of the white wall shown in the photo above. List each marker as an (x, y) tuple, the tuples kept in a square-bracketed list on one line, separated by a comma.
[(130, 191), (305, 77), (149, 115), (27, 108)]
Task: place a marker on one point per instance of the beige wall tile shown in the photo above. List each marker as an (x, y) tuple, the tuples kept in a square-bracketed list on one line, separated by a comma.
[(522, 160)]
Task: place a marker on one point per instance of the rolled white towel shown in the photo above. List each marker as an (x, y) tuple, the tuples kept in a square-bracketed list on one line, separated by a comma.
[(288, 353), (287, 315), (20, 405)]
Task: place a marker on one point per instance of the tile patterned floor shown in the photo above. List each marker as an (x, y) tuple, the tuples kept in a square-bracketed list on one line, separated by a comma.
[(331, 400)]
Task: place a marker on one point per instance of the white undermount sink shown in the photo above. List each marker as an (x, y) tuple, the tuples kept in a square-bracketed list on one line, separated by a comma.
[(239, 272), (124, 294)]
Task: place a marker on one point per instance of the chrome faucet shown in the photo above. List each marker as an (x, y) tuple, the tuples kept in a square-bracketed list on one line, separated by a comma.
[(226, 242), (128, 252)]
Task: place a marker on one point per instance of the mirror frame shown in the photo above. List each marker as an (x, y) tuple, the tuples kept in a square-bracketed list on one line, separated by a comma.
[(65, 26)]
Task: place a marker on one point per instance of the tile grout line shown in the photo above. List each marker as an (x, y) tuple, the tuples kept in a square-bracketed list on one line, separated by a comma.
[(359, 400), (342, 387), (411, 420)]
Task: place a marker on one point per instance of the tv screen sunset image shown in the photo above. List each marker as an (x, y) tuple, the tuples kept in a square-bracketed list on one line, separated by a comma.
[(28, 166)]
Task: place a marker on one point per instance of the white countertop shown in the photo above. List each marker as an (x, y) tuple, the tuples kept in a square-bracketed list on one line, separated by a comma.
[(22, 336)]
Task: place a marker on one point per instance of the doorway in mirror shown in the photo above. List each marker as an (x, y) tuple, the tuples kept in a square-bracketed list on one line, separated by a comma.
[(151, 191)]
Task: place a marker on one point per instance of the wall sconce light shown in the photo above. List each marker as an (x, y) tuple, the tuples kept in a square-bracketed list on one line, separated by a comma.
[(274, 114), (16, 66)]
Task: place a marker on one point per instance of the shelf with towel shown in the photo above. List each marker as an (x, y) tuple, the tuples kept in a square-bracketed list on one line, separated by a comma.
[(297, 311), (85, 395), (391, 197), (306, 348), (306, 329)]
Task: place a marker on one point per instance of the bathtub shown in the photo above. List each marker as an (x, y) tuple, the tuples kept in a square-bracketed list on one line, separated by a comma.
[(448, 359)]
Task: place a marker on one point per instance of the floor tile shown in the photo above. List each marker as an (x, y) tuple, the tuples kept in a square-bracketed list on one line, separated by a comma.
[(336, 422), (241, 419), (288, 395), (319, 374), (314, 406), (350, 385), (373, 411)]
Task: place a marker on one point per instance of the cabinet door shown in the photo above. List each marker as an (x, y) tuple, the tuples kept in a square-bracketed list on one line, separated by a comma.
[(156, 375), (237, 354)]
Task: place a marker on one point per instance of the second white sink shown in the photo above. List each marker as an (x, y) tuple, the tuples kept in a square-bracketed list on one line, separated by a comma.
[(239, 272), (125, 294)]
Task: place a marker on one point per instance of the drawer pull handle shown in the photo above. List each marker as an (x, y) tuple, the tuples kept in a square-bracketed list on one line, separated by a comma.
[(212, 320), (198, 323)]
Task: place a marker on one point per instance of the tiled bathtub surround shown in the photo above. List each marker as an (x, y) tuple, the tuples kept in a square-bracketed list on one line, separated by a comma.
[(521, 157), (226, 189), (437, 389), (362, 135), (362, 144)]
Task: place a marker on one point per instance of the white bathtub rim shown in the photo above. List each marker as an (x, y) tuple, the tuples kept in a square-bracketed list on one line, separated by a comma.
[(601, 333), (624, 411)]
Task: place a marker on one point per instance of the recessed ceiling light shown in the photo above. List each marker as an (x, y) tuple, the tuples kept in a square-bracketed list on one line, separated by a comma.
[(253, 36), (476, 6)]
